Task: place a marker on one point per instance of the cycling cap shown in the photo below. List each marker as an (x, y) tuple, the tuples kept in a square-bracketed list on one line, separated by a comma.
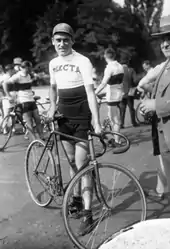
[(63, 28), (17, 61)]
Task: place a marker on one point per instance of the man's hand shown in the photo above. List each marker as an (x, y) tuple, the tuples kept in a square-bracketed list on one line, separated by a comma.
[(148, 105), (140, 89), (98, 129)]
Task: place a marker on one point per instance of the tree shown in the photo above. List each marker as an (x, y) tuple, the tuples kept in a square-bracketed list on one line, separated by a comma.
[(148, 11), (60, 11), (104, 23)]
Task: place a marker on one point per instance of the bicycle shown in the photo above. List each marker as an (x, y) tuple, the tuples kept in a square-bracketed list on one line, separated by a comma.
[(40, 163), (124, 142)]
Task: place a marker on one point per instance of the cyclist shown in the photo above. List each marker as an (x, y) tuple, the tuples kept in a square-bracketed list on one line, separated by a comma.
[(112, 80), (7, 103), (21, 82), (71, 81)]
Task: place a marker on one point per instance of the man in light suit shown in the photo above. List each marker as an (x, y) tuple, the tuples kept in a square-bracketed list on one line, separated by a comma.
[(160, 104)]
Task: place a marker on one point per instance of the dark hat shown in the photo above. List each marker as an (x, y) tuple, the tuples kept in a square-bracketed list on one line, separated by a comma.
[(63, 28), (25, 64), (164, 26)]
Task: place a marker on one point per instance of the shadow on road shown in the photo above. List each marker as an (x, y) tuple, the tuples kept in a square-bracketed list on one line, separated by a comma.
[(138, 135), (148, 180)]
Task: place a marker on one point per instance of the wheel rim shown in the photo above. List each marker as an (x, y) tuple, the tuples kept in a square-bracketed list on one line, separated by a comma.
[(39, 180), (120, 217)]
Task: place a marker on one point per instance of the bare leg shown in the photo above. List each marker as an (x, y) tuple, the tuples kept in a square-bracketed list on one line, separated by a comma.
[(27, 116), (80, 159), (38, 123), (114, 116), (70, 150)]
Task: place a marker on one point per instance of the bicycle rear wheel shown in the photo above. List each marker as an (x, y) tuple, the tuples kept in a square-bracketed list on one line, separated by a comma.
[(40, 180), (6, 127), (122, 193)]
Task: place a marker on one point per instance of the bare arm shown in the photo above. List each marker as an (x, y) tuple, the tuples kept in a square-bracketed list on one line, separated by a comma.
[(86, 71), (52, 93), (93, 103), (103, 83)]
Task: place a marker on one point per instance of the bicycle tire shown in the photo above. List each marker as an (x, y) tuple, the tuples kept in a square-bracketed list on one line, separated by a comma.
[(32, 194), (109, 139), (4, 138), (74, 238)]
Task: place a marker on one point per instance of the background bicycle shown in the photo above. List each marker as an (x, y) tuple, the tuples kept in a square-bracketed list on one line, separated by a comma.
[(109, 138), (13, 124)]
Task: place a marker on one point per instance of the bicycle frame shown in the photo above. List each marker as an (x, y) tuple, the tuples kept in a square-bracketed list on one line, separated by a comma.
[(92, 160)]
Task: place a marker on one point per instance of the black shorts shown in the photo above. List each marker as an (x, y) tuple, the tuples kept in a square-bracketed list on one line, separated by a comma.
[(28, 106), (73, 129)]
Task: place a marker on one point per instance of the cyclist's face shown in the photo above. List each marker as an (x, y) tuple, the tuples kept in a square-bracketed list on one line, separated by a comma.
[(165, 45), (63, 44)]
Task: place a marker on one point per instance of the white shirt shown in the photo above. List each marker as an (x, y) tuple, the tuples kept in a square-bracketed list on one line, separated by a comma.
[(23, 95), (70, 71), (114, 92)]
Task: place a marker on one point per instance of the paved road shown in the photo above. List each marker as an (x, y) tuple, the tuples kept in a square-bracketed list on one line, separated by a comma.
[(25, 225)]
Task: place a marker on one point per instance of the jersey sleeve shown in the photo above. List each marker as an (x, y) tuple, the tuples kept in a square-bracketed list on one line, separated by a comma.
[(52, 76), (86, 70)]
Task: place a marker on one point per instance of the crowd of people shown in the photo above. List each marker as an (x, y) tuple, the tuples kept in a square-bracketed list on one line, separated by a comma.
[(16, 81), (72, 87)]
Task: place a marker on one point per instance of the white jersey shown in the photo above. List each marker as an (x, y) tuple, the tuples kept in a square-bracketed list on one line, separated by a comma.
[(23, 86), (71, 74), (71, 71), (114, 88)]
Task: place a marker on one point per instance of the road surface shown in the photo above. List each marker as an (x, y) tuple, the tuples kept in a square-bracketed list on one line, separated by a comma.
[(25, 225)]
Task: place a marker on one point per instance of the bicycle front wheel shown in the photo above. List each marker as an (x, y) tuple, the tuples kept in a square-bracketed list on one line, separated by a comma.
[(6, 127), (40, 179), (123, 195)]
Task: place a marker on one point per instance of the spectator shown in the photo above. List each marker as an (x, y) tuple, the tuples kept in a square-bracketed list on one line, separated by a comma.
[(147, 68), (112, 80), (17, 63), (129, 84), (159, 104)]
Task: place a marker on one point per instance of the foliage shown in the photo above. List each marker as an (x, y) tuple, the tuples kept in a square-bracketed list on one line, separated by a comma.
[(60, 11), (26, 27), (148, 11)]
